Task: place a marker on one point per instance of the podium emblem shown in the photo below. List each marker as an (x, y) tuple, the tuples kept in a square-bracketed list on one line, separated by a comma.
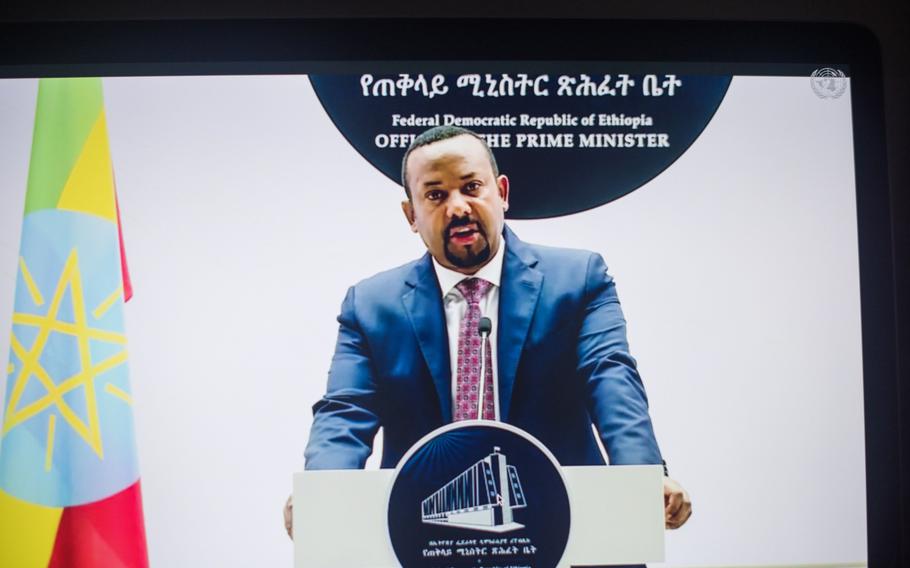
[(478, 494), (482, 497)]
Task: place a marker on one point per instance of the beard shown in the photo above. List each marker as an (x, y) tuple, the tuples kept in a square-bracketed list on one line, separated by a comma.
[(470, 258)]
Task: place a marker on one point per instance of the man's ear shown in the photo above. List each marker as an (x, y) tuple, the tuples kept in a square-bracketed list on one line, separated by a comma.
[(502, 182), (408, 209)]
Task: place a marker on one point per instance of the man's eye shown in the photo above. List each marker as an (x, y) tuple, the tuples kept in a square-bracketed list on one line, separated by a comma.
[(435, 195), (472, 187)]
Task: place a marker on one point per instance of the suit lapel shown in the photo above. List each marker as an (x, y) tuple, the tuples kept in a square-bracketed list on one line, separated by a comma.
[(521, 285), (423, 304)]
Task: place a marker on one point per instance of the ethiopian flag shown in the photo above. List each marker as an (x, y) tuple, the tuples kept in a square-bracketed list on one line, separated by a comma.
[(69, 477)]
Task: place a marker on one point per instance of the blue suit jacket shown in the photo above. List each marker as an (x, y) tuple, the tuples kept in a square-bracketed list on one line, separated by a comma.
[(562, 353)]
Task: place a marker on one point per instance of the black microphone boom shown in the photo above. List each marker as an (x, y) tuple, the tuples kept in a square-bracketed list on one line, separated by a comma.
[(484, 327)]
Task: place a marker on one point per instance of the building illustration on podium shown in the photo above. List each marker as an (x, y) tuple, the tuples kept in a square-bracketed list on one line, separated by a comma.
[(481, 497)]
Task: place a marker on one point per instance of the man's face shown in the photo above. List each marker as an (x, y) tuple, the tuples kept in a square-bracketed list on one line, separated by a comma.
[(457, 204)]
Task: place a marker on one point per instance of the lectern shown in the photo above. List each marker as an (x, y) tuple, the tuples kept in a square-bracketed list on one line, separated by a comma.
[(479, 494)]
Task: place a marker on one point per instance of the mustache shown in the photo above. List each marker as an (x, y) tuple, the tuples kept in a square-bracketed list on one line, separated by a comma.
[(461, 222)]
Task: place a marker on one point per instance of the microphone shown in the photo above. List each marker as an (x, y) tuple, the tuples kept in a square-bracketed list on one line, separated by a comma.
[(484, 327)]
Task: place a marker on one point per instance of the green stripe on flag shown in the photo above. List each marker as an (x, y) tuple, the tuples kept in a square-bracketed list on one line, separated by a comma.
[(67, 109)]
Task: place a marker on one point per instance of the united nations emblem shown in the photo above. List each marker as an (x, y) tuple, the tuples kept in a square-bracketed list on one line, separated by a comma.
[(828, 83)]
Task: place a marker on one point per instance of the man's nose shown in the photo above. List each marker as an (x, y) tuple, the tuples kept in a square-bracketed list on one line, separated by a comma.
[(457, 205)]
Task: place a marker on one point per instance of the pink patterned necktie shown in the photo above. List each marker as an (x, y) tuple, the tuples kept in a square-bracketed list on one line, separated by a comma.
[(470, 362)]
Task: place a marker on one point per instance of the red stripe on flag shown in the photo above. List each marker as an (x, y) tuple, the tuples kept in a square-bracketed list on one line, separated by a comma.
[(108, 533), (127, 283)]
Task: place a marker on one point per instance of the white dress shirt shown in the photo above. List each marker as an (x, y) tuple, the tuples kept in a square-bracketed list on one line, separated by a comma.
[(455, 306)]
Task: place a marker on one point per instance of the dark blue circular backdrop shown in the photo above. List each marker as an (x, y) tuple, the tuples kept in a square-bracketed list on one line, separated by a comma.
[(442, 459), (624, 129)]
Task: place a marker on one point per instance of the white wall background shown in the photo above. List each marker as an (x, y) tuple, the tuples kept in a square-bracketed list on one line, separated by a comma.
[(246, 216)]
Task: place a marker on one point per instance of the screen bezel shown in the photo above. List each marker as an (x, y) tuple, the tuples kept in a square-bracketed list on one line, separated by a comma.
[(256, 47)]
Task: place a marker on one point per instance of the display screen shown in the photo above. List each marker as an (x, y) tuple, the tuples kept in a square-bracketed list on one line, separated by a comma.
[(724, 205)]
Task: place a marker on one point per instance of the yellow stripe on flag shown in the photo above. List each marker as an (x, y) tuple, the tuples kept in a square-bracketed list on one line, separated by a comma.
[(33, 289), (90, 186), (104, 306), (27, 532)]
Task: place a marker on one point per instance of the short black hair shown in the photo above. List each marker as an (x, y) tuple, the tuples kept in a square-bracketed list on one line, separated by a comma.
[(438, 134)]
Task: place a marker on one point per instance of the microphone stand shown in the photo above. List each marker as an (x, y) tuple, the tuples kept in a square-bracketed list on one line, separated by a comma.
[(484, 327)]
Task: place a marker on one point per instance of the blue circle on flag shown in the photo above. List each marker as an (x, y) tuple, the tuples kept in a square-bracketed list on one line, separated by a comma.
[(478, 494), (67, 436)]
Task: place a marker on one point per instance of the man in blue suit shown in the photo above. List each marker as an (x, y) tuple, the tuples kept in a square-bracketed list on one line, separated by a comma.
[(560, 359)]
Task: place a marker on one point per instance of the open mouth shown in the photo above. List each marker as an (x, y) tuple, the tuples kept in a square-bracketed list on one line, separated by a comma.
[(463, 230), (463, 234)]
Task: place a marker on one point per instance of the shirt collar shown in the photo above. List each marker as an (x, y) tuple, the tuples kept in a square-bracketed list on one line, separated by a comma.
[(491, 272)]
